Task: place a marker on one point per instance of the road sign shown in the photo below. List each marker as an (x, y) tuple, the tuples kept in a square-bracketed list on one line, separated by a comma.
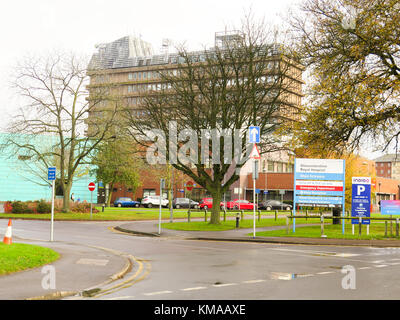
[(390, 207), (319, 183), (254, 134), (189, 185), (51, 173), (258, 191), (265, 191), (92, 186), (255, 154), (361, 199)]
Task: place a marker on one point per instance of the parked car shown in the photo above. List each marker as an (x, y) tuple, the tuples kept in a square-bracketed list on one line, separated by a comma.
[(206, 203), (240, 205), (154, 201), (274, 205), (126, 202), (184, 203)]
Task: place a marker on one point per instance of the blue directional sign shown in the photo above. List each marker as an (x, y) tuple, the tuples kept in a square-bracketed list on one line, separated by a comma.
[(258, 190), (361, 199), (254, 134), (51, 173)]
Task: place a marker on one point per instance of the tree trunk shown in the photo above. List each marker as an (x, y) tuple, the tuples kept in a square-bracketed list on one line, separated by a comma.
[(110, 192), (66, 200), (215, 211)]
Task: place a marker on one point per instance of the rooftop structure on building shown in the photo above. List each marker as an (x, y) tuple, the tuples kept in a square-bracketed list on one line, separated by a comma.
[(388, 158), (131, 51)]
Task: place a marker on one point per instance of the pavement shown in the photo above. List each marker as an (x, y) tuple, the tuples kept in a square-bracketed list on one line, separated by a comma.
[(78, 271), (150, 228)]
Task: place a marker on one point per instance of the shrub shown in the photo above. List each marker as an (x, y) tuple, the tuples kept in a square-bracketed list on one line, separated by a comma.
[(22, 207), (7, 207), (43, 207)]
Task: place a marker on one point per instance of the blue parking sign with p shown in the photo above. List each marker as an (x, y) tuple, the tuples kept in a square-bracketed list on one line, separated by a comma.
[(361, 199), (51, 173)]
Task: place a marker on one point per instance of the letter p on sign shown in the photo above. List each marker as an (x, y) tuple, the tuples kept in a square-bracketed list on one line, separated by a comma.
[(360, 189)]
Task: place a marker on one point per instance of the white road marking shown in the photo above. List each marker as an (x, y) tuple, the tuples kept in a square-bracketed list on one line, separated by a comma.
[(195, 288), (224, 285), (381, 266), (365, 268), (378, 261), (156, 293), (253, 281), (326, 272)]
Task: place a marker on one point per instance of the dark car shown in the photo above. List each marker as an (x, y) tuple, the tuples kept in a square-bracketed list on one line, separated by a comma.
[(184, 203), (126, 202), (274, 205)]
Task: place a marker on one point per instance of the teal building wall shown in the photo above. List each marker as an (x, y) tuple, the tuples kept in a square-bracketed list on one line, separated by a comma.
[(23, 180)]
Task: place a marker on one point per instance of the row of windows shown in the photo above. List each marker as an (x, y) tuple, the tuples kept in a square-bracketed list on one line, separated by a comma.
[(381, 164), (148, 87), (275, 166)]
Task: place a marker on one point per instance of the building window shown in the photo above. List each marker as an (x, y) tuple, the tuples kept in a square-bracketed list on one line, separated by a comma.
[(279, 167), (149, 192), (130, 76), (270, 166)]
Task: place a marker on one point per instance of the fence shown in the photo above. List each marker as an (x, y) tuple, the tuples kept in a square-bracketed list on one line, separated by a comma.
[(322, 218)]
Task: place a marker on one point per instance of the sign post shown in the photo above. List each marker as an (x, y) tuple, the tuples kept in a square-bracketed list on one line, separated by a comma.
[(254, 137), (162, 186), (91, 187), (51, 176)]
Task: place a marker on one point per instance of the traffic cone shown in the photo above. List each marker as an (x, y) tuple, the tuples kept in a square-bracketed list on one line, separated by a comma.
[(7, 237)]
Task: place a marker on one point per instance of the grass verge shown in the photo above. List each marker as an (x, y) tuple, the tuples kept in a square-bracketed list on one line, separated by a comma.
[(18, 257)]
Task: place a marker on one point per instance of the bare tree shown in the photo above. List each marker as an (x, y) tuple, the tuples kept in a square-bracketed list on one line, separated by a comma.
[(245, 80), (53, 120)]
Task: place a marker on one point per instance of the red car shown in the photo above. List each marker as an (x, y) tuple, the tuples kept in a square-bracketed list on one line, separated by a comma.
[(240, 205), (206, 203)]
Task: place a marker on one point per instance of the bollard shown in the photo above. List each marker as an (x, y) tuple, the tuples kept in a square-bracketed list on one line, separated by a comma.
[(189, 216), (397, 227), (102, 207), (205, 215), (359, 226), (242, 214), (306, 214), (276, 214), (237, 219), (259, 215), (224, 214)]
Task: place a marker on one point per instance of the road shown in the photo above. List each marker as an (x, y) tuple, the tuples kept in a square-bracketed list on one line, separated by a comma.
[(187, 269)]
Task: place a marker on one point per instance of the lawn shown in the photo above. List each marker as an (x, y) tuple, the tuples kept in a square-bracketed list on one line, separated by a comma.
[(122, 214), (18, 257), (376, 231), (227, 225)]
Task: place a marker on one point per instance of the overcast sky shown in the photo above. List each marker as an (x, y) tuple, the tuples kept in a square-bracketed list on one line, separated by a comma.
[(40, 26)]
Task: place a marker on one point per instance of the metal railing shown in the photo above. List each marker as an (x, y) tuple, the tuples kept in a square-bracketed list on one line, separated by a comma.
[(322, 218)]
